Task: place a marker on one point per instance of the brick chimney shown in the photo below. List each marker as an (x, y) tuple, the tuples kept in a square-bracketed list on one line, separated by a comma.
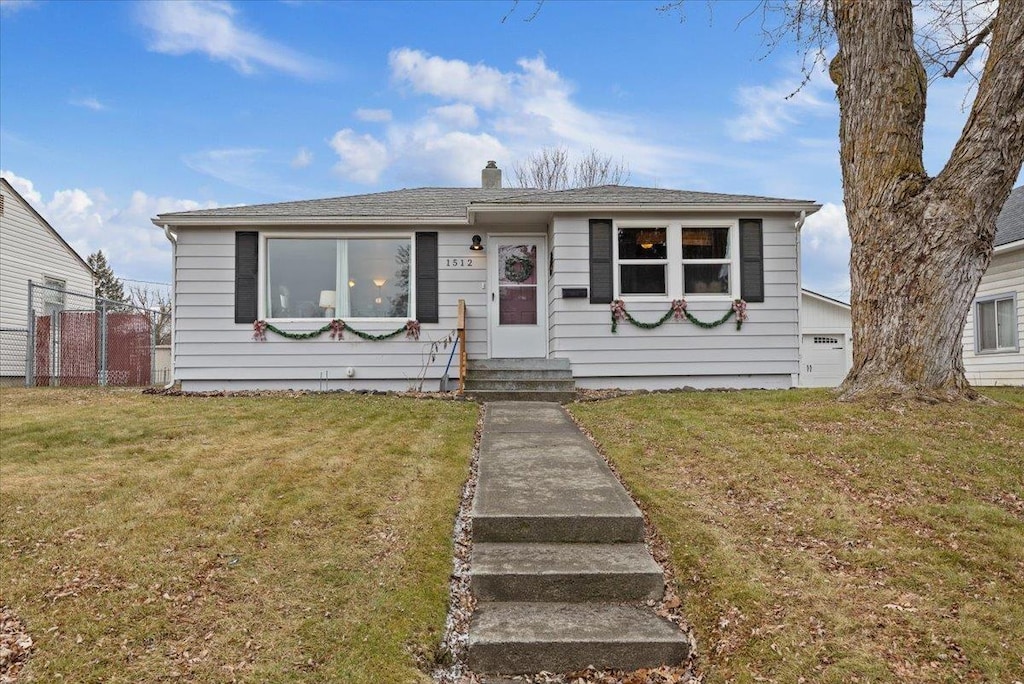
[(491, 176)]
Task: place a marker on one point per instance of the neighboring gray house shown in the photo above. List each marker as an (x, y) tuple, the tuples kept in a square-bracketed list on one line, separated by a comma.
[(995, 324), (826, 340), (538, 272), (30, 249)]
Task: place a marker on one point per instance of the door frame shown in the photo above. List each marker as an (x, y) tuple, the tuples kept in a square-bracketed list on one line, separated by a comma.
[(542, 287)]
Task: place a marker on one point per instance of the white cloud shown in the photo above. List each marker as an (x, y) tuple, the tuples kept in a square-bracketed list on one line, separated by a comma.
[(449, 78), (485, 113), (24, 186), (88, 103), (362, 157), (90, 220), (302, 158), (769, 110), (10, 7), (825, 245), (373, 114), (460, 115), (211, 28)]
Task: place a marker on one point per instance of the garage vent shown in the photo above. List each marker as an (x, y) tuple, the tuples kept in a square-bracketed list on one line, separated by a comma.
[(826, 340)]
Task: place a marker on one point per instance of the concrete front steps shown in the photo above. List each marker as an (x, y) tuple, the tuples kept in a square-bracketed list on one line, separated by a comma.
[(520, 380), (558, 566)]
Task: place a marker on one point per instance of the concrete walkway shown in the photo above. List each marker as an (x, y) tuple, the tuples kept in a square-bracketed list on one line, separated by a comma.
[(558, 567)]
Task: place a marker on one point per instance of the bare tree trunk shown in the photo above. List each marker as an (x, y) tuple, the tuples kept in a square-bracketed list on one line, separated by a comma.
[(919, 245)]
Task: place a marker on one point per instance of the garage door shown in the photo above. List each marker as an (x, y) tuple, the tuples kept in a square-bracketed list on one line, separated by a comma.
[(823, 360)]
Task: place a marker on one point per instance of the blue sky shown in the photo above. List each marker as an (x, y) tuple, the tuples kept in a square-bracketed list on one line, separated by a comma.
[(113, 112)]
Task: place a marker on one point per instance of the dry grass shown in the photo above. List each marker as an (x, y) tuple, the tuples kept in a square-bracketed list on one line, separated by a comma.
[(251, 539), (824, 542)]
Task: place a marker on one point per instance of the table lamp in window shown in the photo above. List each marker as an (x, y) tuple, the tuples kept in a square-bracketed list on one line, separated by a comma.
[(327, 303)]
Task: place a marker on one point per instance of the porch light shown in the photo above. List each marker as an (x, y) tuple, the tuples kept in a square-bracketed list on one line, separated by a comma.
[(477, 245)]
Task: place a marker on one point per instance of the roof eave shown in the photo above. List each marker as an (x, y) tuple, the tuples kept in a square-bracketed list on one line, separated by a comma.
[(1009, 246), (809, 207), (213, 221)]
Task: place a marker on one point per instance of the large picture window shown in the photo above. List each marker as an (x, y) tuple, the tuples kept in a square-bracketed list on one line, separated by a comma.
[(338, 278), (676, 259), (996, 323)]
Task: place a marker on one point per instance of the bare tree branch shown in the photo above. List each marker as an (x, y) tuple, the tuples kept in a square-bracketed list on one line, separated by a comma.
[(551, 168), (968, 51)]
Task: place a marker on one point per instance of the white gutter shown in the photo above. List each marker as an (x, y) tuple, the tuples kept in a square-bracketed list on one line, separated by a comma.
[(237, 221), (173, 239), (1009, 247), (803, 207)]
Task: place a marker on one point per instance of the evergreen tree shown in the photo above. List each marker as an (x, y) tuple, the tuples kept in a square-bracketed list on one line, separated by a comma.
[(108, 285)]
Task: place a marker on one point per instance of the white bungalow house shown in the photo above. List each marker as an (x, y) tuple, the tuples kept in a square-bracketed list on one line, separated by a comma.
[(826, 340), (30, 249), (995, 324), (540, 273)]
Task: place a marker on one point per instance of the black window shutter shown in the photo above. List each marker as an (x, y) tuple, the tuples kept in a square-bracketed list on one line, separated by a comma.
[(752, 260), (247, 245), (426, 278), (602, 282)]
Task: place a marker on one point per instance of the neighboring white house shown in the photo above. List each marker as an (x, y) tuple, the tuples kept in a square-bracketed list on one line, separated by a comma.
[(826, 340), (995, 324), (539, 272), (30, 249)]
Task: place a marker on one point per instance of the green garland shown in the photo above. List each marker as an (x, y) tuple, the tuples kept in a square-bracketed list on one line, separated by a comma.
[(336, 328), (678, 311)]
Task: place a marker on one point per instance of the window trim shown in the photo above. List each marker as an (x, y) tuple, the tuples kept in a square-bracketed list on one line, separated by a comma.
[(1010, 296), (674, 257), (261, 273)]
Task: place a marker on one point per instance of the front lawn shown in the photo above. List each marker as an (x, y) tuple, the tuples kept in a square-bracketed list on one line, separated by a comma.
[(264, 539), (824, 542)]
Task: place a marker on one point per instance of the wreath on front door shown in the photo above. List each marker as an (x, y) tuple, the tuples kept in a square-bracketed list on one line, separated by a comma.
[(518, 268)]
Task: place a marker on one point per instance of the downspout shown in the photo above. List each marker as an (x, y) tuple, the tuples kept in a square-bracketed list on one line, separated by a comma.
[(173, 239), (799, 299)]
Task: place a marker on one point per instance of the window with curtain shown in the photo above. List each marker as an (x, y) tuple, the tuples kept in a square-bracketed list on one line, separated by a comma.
[(338, 278), (996, 320)]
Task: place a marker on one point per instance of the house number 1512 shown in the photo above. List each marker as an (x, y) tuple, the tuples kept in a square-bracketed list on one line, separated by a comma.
[(458, 263)]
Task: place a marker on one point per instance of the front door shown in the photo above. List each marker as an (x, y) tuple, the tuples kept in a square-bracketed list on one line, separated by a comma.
[(518, 296)]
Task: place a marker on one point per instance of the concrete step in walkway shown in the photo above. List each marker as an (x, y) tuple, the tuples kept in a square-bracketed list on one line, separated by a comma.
[(520, 380), (557, 552)]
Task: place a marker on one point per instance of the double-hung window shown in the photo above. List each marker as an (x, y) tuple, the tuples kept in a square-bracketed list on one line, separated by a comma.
[(676, 259), (643, 260), (996, 324), (352, 277)]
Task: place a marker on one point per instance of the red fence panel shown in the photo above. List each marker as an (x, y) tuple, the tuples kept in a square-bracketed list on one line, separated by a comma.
[(129, 355), (42, 351), (78, 348)]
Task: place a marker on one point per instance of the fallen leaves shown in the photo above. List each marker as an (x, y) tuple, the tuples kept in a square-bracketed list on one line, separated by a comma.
[(15, 646)]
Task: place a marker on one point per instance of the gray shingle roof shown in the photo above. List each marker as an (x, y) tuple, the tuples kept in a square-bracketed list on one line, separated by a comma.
[(453, 202), (628, 194), (407, 203), (1010, 224)]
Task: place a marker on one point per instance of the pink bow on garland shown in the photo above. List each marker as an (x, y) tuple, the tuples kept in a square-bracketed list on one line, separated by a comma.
[(618, 310), (412, 330), (740, 307), (259, 331), (337, 328), (679, 309)]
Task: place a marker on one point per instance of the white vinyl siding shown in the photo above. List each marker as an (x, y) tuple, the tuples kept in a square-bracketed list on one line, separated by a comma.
[(765, 353), (213, 352), (1005, 277), (30, 251)]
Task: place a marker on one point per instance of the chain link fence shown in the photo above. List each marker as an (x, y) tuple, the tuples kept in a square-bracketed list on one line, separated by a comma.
[(75, 339), (13, 351)]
